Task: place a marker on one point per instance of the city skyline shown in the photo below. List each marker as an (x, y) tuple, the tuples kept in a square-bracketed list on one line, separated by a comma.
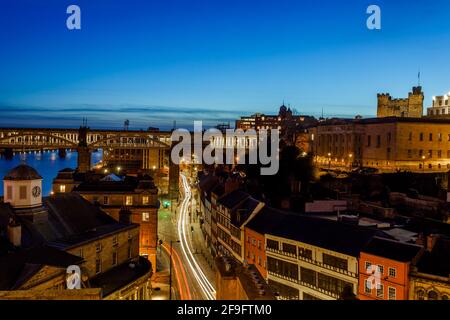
[(216, 61)]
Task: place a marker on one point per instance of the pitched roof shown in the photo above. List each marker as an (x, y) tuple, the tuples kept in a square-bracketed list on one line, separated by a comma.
[(391, 249), (266, 219), (17, 268), (336, 236), (436, 261), (22, 172), (232, 199)]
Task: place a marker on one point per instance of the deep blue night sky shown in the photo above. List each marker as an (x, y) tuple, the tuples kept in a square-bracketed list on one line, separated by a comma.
[(155, 61)]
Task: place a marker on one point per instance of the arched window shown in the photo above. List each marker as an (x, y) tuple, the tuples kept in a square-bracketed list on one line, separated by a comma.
[(432, 295), (420, 295), (444, 297)]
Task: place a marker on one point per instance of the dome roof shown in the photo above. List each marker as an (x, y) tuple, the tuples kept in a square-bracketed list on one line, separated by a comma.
[(22, 172)]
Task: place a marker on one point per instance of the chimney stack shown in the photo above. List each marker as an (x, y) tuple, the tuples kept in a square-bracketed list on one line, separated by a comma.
[(431, 241), (14, 232)]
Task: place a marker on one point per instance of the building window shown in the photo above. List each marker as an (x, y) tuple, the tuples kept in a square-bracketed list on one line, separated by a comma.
[(380, 269), (420, 295), (305, 253), (23, 192), (368, 265), (392, 293), (9, 192), (114, 258), (439, 137), (439, 153), (369, 141), (98, 247), (421, 136), (272, 244), (259, 244), (367, 286), (378, 141), (98, 265), (334, 261), (308, 276), (431, 137), (62, 188), (105, 200), (410, 136), (129, 200), (380, 291), (145, 200), (392, 272), (409, 153), (115, 241), (80, 253), (289, 249), (430, 154), (283, 268), (145, 216), (432, 295)]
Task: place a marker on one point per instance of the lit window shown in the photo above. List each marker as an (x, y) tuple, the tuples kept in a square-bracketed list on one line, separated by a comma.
[(114, 258), (367, 287), (145, 200), (392, 293), (145, 216), (62, 188), (392, 272), (129, 200), (380, 291)]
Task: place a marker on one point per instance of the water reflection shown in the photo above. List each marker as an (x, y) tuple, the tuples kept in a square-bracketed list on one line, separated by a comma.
[(47, 163)]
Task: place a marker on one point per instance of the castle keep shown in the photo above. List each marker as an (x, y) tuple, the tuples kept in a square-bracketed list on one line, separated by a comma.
[(411, 107)]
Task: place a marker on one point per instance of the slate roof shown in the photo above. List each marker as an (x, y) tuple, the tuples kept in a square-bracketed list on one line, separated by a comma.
[(67, 219), (266, 219), (336, 236), (391, 249), (17, 268), (128, 184), (241, 213), (232, 199), (218, 190), (116, 278), (22, 172), (436, 261)]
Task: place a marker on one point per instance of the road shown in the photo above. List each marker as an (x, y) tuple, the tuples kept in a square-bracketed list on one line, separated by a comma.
[(192, 263), (193, 276)]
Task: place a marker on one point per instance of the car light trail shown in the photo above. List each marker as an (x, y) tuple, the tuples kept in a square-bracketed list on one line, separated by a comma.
[(205, 285)]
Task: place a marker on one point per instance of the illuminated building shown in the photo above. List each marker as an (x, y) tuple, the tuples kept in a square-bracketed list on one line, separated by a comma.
[(46, 235), (138, 195)]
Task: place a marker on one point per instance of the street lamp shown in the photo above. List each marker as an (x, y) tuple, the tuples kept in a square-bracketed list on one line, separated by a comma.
[(350, 160), (329, 160)]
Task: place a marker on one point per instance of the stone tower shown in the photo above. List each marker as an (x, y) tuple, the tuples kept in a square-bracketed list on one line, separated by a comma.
[(411, 107)]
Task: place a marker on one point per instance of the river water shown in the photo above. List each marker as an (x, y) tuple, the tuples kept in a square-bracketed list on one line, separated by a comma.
[(47, 163)]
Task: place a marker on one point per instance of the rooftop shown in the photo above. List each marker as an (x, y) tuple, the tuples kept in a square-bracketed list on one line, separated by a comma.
[(393, 250), (22, 172)]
